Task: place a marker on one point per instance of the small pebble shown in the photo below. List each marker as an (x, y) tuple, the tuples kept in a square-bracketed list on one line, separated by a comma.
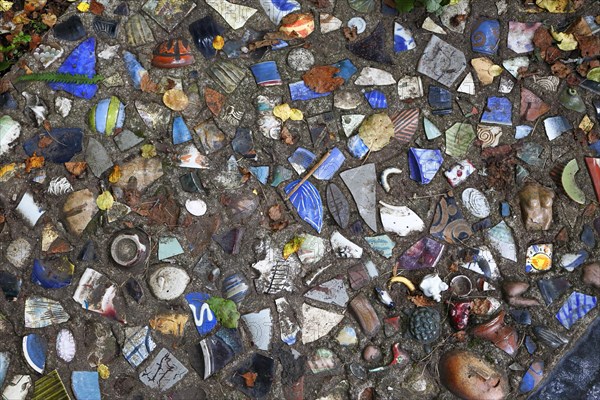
[(591, 275), (371, 353)]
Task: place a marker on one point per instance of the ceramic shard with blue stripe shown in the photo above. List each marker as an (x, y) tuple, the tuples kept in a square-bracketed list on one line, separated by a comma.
[(82, 60), (486, 37), (532, 377), (134, 68), (181, 133), (357, 147), (307, 202), (277, 9), (204, 318), (203, 33), (498, 111), (266, 73), (575, 308), (54, 274), (403, 39), (85, 385), (299, 91), (34, 351), (376, 99), (440, 100), (107, 116), (301, 159), (235, 287), (138, 345), (332, 164), (424, 164)]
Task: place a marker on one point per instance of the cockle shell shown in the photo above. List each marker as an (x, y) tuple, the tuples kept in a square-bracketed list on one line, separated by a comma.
[(65, 345)]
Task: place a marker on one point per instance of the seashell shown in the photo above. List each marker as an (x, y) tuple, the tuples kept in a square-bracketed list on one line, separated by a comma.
[(476, 203), (65, 345), (489, 135), (107, 116), (168, 283)]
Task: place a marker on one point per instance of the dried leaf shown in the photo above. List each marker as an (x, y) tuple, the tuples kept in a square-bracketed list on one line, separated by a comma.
[(421, 301), (351, 34), (148, 151), (76, 167), (96, 8), (275, 212), (292, 246), (49, 19), (34, 162), (321, 79), (115, 175), (249, 378), (44, 142), (286, 136), (105, 200), (146, 84)]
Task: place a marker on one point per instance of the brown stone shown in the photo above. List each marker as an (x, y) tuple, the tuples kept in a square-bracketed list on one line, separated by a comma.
[(469, 377), (371, 353), (365, 315), (504, 336), (591, 275), (536, 206), (512, 289), (519, 301)]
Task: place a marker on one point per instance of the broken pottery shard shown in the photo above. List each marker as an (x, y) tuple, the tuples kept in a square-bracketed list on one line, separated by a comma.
[(144, 171), (520, 36), (41, 312), (85, 385), (516, 66), (459, 138), (163, 372), (361, 274), (29, 209), (344, 248), (138, 31), (307, 201), (311, 250), (169, 324), (448, 222), (501, 239), (382, 244), (168, 283), (169, 13), (236, 15), (260, 326), (551, 289), (403, 39), (476, 203), (486, 70), (218, 350), (10, 130), (481, 261), (79, 209), (400, 219), (96, 293), (370, 76), (410, 87), (204, 318), (532, 107), (365, 315), (498, 111), (424, 164), (405, 124), (64, 144), (17, 388), (276, 273), (376, 131), (287, 323), (550, 338), (317, 322), (329, 23), (556, 126), (575, 308), (330, 292), (468, 85), (82, 60), (52, 274), (372, 48), (277, 9), (338, 205), (97, 157), (361, 182), (138, 345), (423, 254), (35, 349), (442, 62), (486, 37)]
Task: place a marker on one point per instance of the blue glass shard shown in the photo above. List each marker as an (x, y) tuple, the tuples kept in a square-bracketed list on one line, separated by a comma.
[(498, 111), (347, 69), (301, 159), (307, 202), (575, 308), (261, 173), (357, 147), (532, 377), (66, 142), (82, 60), (85, 385), (204, 318), (333, 163), (134, 68), (34, 350), (181, 132), (299, 91), (530, 345), (54, 276), (376, 99)]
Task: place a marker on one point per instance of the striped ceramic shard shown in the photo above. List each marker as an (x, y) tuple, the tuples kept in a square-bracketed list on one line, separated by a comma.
[(50, 386), (235, 287), (138, 31), (41, 312), (405, 124), (65, 345), (277, 9), (35, 348), (376, 99), (227, 74), (107, 116), (575, 308), (307, 202), (138, 345), (459, 138), (403, 39), (476, 203), (364, 6)]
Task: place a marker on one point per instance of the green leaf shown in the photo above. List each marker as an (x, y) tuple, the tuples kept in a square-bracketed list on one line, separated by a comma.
[(4, 65), (405, 5), (594, 74), (225, 310), (432, 5)]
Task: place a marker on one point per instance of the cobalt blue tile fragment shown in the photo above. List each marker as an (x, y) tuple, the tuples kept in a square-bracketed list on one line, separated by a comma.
[(71, 29), (307, 201), (357, 147), (440, 100), (332, 164), (576, 307), (204, 318), (486, 37), (85, 385), (587, 236), (203, 33), (498, 111), (532, 377), (424, 164), (52, 274), (299, 91), (346, 69), (266, 73), (181, 132), (82, 60), (376, 99), (482, 225), (522, 317), (65, 143), (35, 348), (301, 159)]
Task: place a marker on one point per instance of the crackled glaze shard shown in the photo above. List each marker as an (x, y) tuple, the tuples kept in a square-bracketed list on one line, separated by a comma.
[(448, 222), (442, 62), (41, 312), (361, 182), (576, 307), (236, 15), (403, 39), (317, 322), (82, 60), (168, 13), (308, 204), (277, 9), (372, 47), (501, 238)]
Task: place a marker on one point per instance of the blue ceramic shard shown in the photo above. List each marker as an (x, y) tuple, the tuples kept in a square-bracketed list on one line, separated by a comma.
[(307, 202), (587, 236), (204, 318), (376, 99), (552, 289), (266, 73), (299, 91), (203, 33), (71, 29), (530, 345), (382, 245), (498, 111), (243, 143), (4, 363), (216, 352), (424, 164), (333, 163), (522, 131), (85, 385), (486, 37), (181, 132), (169, 247), (357, 147), (261, 173), (403, 39), (134, 68), (280, 174), (532, 377), (571, 261), (138, 345), (595, 147), (440, 100), (34, 351), (11, 287), (82, 60), (301, 159), (66, 142), (575, 308), (277, 9), (280, 44), (522, 317), (504, 209), (235, 288), (52, 275), (346, 69)]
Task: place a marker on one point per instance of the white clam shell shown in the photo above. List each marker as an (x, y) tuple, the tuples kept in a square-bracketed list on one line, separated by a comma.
[(65, 345)]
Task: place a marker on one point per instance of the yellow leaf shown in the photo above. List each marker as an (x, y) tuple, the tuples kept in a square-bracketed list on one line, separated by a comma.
[(566, 41), (594, 74), (148, 151), (5, 5), (34, 162), (285, 112), (103, 371), (218, 42), (115, 175), (5, 169), (554, 6), (83, 6), (586, 124), (292, 246), (105, 200), (296, 115)]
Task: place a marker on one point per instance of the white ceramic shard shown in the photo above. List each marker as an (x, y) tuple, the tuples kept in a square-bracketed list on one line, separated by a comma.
[(433, 286), (276, 274), (311, 250), (196, 207), (62, 105), (29, 210), (370, 76), (260, 326), (236, 15), (65, 345), (288, 326), (350, 122), (513, 65), (483, 263), (168, 283), (467, 85), (385, 176), (476, 203), (400, 219), (191, 157), (17, 388), (431, 26), (410, 87), (59, 186), (329, 23), (277, 9), (345, 248), (317, 322)]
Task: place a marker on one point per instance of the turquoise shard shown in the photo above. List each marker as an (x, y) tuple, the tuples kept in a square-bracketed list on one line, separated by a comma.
[(280, 174), (168, 247), (181, 133), (82, 61), (307, 201), (85, 385), (261, 173), (431, 131), (575, 308), (382, 245)]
